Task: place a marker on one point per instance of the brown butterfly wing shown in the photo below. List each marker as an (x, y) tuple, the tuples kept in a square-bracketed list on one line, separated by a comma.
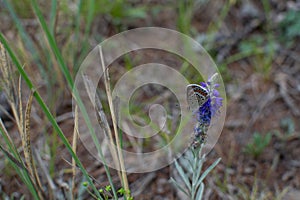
[(196, 96)]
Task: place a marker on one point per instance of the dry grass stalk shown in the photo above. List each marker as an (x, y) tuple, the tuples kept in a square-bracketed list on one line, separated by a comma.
[(27, 144), (26, 138), (7, 82), (74, 145), (102, 120), (9, 87), (114, 121), (4, 130), (20, 125), (16, 161)]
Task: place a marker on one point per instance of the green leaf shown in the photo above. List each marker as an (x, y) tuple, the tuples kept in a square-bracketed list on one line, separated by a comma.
[(183, 175), (179, 186), (208, 170), (200, 192)]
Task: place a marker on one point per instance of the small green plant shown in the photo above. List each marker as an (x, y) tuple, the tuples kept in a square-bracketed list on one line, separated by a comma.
[(117, 12), (258, 144), (290, 27), (104, 192), (191, 165), (193, 179), (185, 14), (261, 49), (124, 192)]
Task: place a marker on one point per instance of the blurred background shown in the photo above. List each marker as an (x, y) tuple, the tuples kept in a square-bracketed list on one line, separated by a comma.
[(255, 45)]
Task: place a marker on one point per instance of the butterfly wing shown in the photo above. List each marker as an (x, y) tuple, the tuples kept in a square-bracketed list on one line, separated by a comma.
[(196, 96), (212, 82)]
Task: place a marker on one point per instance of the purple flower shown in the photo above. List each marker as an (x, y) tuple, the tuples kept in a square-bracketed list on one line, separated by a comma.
[(204, 113), (210, 108)]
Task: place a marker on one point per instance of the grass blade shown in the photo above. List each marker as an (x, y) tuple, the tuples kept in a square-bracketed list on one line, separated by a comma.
[(46, 111), (26, 39), (53, 16), (70, 82), (14, 160), (17, 163), (88, 25)]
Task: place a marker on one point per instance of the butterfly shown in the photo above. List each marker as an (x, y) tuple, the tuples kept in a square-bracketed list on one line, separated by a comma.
[(197, 95)]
